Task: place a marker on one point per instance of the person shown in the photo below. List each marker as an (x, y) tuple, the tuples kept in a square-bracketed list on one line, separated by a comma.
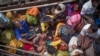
[(45, 23), (22, 32), (88, 9), (97, 16), (75, 19), (93, 32), (39, 42), (73, 43), (73, 22)]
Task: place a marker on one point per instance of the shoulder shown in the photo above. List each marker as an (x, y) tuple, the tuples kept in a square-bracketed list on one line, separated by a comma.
[(98, 31), (86, 5), (86, 26)]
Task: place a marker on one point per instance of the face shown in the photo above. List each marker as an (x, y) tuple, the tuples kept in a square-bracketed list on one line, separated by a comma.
[(95, 4), (89, 31), (76, 7), (17, 24)]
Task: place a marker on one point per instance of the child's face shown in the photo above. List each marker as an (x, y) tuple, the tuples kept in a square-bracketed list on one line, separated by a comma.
[(76, 7)]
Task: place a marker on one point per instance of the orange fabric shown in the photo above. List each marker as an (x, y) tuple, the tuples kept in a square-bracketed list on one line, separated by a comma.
[(56, 36), (33, 11)]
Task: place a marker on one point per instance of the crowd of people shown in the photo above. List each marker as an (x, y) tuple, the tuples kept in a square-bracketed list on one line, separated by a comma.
[(62, 30)]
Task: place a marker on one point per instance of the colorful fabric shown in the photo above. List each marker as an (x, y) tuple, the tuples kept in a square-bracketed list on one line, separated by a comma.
[(56, 32), (43, 26), (14, 44), (74, 19), (33, 11), (31, 19), (9, 15), (62, 53), (55, 43), (6, 36), (28, 47)]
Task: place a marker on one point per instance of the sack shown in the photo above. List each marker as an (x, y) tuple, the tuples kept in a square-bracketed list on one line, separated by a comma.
[(64, 33), (31, 19), (85, 42), (79, 27), (33, 11), (7, 36)]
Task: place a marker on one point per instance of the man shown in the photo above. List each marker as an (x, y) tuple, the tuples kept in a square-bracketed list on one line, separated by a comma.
[(92, 31), (22, 32), (88, 9)]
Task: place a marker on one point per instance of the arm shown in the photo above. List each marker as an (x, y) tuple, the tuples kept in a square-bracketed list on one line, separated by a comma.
[(18, 36), (88, 18), (84, 12), (34, 41), (25, 41)]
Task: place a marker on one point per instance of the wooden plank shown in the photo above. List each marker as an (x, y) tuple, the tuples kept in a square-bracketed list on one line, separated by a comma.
[(44, 5)]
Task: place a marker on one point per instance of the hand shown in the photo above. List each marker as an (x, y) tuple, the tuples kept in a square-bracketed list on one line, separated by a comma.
[(91, 21), (23, 34), (36, 29), (31, 43), (31, 30)]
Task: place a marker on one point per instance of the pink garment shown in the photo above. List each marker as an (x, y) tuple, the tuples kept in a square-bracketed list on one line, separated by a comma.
[(74, 19)]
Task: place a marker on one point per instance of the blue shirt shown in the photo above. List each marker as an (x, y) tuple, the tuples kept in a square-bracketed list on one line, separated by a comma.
[(23, 30)]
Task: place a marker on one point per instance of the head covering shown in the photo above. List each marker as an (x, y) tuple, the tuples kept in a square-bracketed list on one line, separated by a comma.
[(33, 11), (62, 7), (74, 19)]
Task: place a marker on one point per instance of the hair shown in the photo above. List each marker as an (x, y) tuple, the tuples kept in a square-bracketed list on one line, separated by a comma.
[(59, 8), (94, 28), (95, 1), (51, 50)]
